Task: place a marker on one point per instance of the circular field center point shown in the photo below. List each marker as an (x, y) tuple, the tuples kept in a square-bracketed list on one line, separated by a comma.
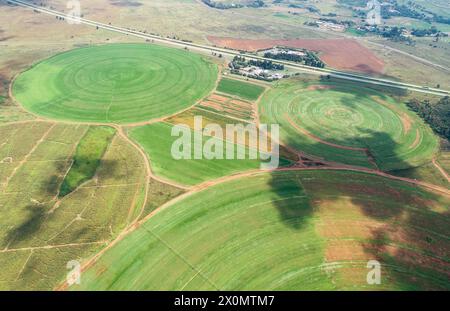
[(117, 83)]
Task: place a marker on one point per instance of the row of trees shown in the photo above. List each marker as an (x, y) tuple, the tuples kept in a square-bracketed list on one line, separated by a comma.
[(241, 62), (412, 10), (224, 6), (265, 64), (437, 114), (309, 59)]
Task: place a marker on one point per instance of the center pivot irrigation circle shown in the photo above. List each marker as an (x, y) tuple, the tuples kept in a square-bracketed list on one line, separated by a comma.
[(347, 124), (117, 83), (337, 116)]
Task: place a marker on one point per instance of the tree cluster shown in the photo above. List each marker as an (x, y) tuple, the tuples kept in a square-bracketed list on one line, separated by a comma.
[(437, 115)]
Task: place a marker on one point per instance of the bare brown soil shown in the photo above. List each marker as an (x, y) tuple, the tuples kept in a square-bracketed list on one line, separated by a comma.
[(320, 87), (218, 98), (344, 54), (417, 140)]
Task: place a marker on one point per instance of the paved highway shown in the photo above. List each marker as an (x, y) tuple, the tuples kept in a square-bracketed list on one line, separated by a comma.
[(232, 53)]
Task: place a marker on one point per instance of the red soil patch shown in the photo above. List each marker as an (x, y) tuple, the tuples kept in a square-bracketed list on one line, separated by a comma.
[(346, 250), (414, 259), (417, 140), (242, 106), (320, 87), (343, 229), (211, 104), (344, 54), (218, 98), (406, 122)]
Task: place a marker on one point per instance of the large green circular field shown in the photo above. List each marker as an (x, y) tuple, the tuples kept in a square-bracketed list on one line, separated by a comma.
[(120, 83), (351, 125), (292, 230)]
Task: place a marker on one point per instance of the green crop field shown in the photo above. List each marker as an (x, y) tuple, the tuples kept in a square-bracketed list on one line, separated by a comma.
[(350, 125), (157, 141), (119, 83), (90, 148), (87, 158), (238, 88), (284, 231)]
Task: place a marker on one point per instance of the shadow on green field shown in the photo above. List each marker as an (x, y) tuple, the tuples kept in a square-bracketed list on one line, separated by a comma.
[(361, 123), (29, 227), (51, 186), (36, 215), (380, 89), (294, 215), (85, 172), (411, 238)]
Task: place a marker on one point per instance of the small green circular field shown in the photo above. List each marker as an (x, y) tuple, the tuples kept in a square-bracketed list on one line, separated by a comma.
[(120, 83), (349, 125)]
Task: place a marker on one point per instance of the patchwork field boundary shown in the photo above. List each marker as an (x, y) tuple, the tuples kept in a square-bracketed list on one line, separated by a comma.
[(135, 223)]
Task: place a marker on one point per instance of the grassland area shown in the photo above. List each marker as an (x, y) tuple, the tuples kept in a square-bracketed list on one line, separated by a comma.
[(313, 231), (98, 84), (39, 232), (349, 125), (239, 88)]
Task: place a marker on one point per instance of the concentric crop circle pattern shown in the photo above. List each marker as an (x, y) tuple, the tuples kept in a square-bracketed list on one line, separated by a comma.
[(120, 83), (348, 125)]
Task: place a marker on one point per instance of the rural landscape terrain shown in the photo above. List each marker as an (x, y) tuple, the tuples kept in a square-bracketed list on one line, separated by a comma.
[(190, 145)]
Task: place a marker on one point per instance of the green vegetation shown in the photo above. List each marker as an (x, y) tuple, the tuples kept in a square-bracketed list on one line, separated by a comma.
[(87, 158), (285, 231), (355, 32), (157, 141), (280, 15), (119, 83), (307, 58), (242, 89), (346, 124), (68, 189), (225, 5), (437, 114), (444, 160), (427, 172)]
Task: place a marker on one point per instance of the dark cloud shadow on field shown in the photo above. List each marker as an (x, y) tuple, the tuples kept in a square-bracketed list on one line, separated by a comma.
[(110, 169), (51, 186), (403, 211), (106, 169), (294, 215), (380, 89), (36, 215)]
